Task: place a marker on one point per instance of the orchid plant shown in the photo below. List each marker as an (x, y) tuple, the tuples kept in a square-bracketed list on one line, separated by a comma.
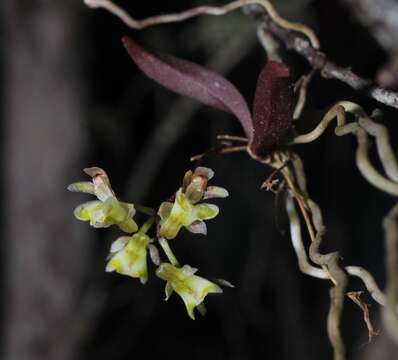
[(267, 128)]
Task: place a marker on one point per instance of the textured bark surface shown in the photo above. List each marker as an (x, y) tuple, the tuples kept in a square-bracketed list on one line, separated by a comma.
[(380, 17), (45, 251)]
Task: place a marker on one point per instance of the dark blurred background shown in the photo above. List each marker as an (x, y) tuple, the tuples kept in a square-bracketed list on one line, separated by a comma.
[(72, 98)]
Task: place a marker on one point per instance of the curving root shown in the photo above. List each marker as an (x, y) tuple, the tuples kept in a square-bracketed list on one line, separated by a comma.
[(364, 126), (204, 10), (302, 85), (331, 262), (388, 183), (390, 314)]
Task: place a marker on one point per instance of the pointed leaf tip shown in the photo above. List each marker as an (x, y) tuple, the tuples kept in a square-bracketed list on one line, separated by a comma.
[(272, 108), (189, 79)]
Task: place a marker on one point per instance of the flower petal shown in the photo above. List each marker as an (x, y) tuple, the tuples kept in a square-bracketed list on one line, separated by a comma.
[(206, 211), (86, 211), (188, 270), (102, 185), (213, 192), (224, 282), (154, 254), (186, 180), (198, 227), (168, 290), (115, 211), (119, 243), (82, 186), (165, 209), (202, 309), (196, 189), (202, 287), (130, 207), (190, 303), (204, 171), (95, 171)]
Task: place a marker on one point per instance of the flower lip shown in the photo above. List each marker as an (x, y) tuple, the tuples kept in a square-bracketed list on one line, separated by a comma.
[(129, 256)]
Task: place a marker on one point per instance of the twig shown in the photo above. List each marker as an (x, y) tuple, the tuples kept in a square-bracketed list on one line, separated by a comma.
[(329, 70), (355, 296)]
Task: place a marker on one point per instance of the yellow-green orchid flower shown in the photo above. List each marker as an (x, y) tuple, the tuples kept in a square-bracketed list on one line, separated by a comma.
[(129, 256), (195, 186), (185, 211), (107, 210), (191, 288)]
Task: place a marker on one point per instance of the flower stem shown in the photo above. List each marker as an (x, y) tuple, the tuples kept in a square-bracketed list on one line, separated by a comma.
[(147, 225), (169, 253), (145, 210)]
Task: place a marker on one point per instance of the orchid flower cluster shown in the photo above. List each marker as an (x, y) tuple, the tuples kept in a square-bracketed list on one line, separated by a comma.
[(128, 254)]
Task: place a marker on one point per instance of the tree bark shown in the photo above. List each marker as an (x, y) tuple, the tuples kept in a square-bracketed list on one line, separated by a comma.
[(46, 252)]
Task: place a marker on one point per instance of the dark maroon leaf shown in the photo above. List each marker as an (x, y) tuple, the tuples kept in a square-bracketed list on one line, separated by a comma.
[(272, 108), (195, 81)]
